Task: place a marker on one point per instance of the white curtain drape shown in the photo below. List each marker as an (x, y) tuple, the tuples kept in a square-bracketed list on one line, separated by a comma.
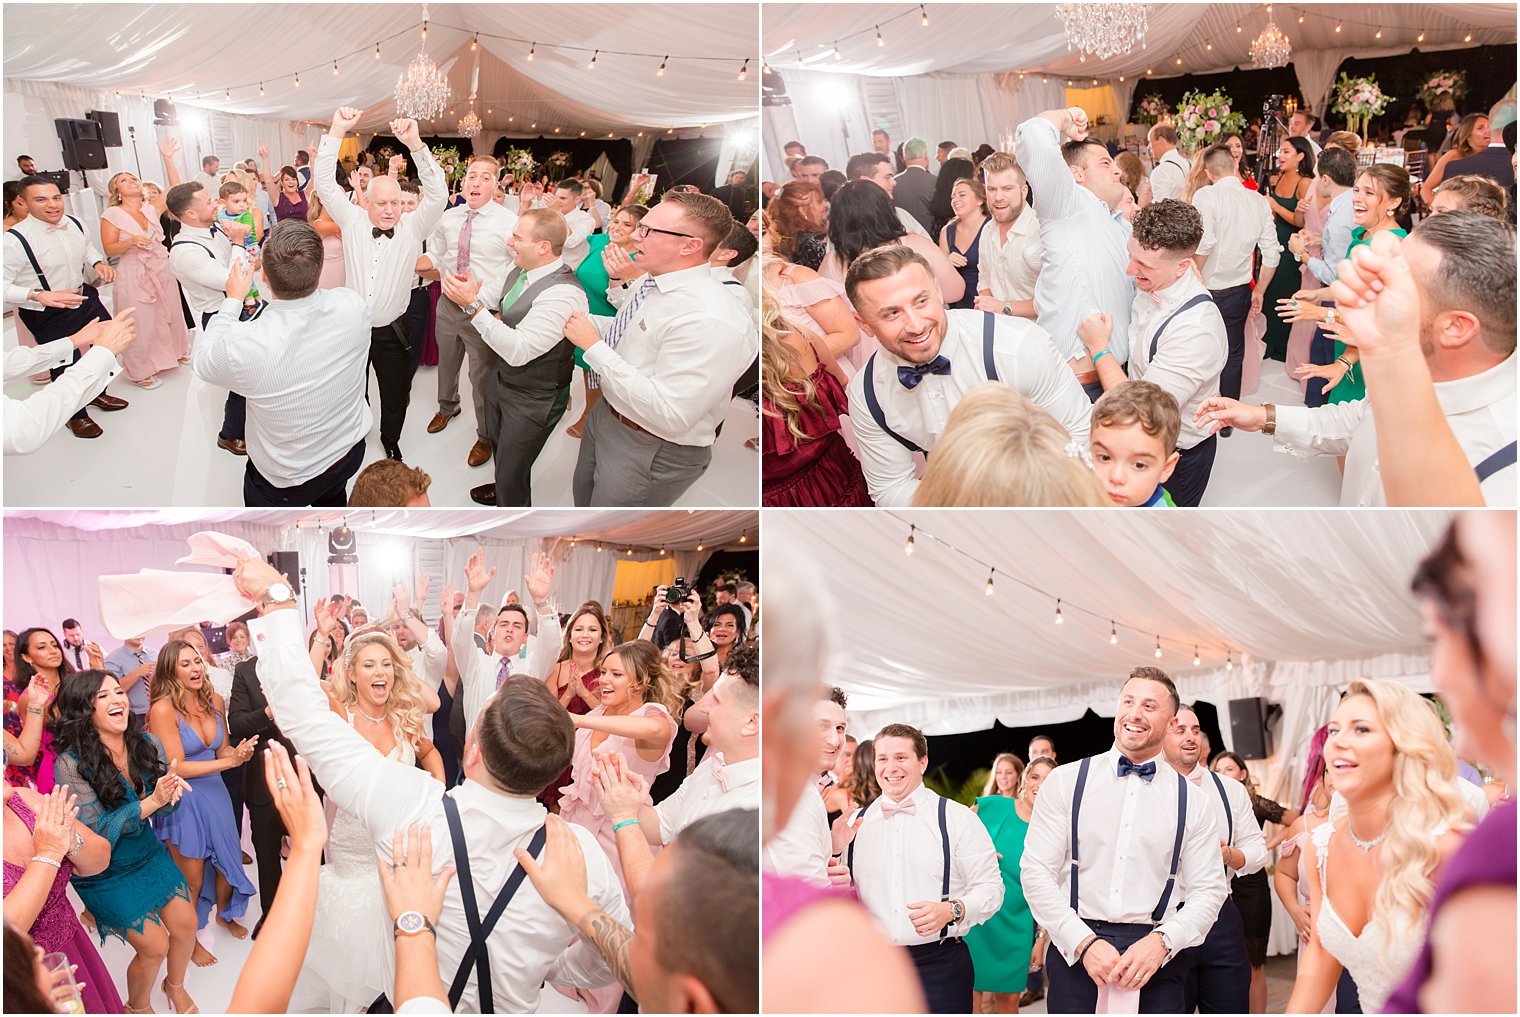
[(830, 113), (1315, 71)]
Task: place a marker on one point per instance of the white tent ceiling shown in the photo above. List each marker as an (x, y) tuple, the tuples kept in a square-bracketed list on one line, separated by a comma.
[(1302, 599), (191, 53), (988, 38)]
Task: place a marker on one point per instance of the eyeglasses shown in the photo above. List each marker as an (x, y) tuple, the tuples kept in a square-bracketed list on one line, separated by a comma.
[(641, 231)]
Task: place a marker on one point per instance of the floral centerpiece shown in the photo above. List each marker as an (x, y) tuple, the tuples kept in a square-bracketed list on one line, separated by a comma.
[(1445, 88), (557, 166), (1360, 99), (520, 162), (1152, 109), (1205, 117), (449, 161)]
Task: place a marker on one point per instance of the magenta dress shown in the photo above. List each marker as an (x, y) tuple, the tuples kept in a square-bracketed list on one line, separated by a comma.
[(578, 802), (143, 281), (57, 928), (38, 775)]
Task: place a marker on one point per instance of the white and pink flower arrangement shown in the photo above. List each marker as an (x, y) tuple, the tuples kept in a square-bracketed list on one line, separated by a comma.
[(1203, 118), (1360, 99), (1450, 84), (1152, 109)]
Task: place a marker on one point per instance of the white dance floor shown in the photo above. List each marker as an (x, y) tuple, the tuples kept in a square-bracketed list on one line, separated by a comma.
[(161, 451)]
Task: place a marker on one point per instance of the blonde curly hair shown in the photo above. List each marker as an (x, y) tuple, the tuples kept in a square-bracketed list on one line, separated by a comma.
[(1425, 800), (784, 380), (404, 704)]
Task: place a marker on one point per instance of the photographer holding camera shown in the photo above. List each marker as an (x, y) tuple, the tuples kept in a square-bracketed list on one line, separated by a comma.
[(676, 614)]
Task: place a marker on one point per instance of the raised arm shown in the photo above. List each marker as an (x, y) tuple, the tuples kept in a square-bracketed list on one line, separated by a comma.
[(540, 583), (324, 173), (168, 148), (1037, 146)]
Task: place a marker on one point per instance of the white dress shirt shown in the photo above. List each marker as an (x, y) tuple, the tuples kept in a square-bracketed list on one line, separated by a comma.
[(911, 224), (543, 327), (531, 943), (1085, 244), (1010, 266), (1025, 358), (700, 794), (1480, 411), (1247, 833), (201, 260), (1169, 178), (30, 422), (674, 370), (735, 288), (63, 252), (430, 659), (802, 848), (212, 183), (1236, 222), (380, 269), (1335, 241), (478, 669), (1127, 830), (302, 365), (899, 860), (1190, 354), (490, 257), (578, 229)]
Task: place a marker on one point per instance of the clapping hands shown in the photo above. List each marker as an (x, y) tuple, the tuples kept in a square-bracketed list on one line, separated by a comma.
[(53, 833), (170, 786)]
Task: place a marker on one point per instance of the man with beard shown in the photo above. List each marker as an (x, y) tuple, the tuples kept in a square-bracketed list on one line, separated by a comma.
[(1219, 973), (1010, 241), (1455, 277), (930, 358), (1116, 929)]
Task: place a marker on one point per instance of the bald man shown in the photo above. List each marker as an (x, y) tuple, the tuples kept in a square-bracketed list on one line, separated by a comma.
[(380, 250)]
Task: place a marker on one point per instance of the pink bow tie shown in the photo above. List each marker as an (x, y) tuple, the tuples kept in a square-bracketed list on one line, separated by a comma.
[(1196, 778), (58, 226), (718, 774), (889, 808)]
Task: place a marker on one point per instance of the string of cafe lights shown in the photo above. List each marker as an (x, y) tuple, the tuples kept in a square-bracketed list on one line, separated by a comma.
[(629, 549), (1063, 606)]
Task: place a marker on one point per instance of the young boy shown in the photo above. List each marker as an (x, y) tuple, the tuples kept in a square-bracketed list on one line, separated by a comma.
[(244, 225), (1134, 443), (733, 253)]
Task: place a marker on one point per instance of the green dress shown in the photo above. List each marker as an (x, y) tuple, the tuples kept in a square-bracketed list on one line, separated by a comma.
[(1000, 946), (1283, 285), (1353, 386), (593, 278)]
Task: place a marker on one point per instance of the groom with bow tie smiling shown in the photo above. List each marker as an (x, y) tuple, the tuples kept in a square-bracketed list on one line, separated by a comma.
[(1112, 841)]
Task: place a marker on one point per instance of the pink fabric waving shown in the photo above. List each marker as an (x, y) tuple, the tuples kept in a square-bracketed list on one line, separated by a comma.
[(156, 599)]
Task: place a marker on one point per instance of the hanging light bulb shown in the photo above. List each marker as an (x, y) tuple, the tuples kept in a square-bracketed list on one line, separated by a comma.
[(990, 590), (1210, 45), (743, 537), (592, 65), (1237, 28), (699, 545), (662, 550), (261, 88), (583, 134), (1121, 79), (377, 51), (879, 40), (532, 48), (1059, 618), (1229, 662), (1113, 634), (1158, 646), (1196, 659), (1337, 28), (598, 547), (335, 68), (1378, 34), (744, 71), (908, 545), (661, 72), (1420, 37), (475, 42), (229, 94), (1468, 37), (298, 79), (925, 15), (424, 30)]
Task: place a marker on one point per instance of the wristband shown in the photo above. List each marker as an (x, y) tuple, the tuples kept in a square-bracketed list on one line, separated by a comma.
[(1083, 952), (47, 861), (627, 822), (1343, 360), (1100, 355)]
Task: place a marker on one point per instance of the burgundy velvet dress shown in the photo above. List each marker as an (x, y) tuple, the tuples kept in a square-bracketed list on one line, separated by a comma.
[(821, 471)]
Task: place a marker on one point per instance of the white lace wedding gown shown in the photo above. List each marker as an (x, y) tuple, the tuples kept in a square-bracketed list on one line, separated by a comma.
[(1377, 969), (345, 963)]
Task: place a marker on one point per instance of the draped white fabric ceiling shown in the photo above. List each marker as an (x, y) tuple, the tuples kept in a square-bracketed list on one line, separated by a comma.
[(185, 51), (991, 38), (1303, 599)]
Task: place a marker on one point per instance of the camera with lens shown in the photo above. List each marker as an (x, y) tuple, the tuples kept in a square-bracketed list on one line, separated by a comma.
[(677, 592)]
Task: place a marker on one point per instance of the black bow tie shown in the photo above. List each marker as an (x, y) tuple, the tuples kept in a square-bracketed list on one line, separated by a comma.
[(215, 231), (385, 233), (911, 376), (1146, 771)]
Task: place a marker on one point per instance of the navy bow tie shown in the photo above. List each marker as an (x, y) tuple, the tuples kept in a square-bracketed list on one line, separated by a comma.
[(911, 376), (384, 233), (1146, 771)]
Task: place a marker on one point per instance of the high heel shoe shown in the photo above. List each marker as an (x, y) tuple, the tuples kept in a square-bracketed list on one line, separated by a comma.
[(181, 987)]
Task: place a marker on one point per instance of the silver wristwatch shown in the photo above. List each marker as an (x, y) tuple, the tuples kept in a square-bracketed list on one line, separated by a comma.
[(278, 593), (413, 923), (1008, 309), (473, 308)]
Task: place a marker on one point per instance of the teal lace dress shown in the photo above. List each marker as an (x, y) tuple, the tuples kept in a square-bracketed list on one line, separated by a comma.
[(142, 878)]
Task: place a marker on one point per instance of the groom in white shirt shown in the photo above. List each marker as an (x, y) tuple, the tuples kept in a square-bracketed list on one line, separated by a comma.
[(925, 868), (1111, 840)]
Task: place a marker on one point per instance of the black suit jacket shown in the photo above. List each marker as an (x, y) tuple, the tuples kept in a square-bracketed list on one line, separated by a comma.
[(246, 717)]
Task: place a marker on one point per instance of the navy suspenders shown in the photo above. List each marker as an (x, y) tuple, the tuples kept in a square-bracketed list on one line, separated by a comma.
[(1499, 460), (1191, 302), (873, 404), (1229, 820), (1171, 879), (478, 954), (944, 840), (42, 279)]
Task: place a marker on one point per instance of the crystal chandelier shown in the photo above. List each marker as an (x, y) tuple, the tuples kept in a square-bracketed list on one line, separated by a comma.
[(1271, 48), (423, 92), (1105, 30), (469, 124)]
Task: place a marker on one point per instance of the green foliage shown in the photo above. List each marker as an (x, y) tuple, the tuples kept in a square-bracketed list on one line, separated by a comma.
[(966, 792)]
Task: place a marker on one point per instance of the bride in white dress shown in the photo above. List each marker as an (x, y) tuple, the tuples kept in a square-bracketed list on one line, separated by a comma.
[(1373, 869), (375, 690)]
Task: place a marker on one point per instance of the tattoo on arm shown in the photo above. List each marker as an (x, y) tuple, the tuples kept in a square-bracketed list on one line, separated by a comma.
[(611, 940)]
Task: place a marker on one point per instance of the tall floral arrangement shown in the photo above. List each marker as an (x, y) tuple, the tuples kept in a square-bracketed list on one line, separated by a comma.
[(520, 162), (449, 161), (557, 166), (1152, 109), (1360, 99), (1205, 117), (1444, 85)]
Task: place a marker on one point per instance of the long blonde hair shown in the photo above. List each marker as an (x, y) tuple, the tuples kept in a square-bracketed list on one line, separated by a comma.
[(644, 662), (1425, 800), (1197, 178), (785, 382), (113, 196), (404, 704), (1001, 449)]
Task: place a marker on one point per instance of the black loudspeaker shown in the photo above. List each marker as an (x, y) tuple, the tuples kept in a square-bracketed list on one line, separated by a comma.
[(1248, 728), (110, 127), (82, 149), (164, 113), (287, 563)]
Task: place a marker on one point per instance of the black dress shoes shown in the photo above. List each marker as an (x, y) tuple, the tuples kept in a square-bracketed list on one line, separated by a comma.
[(485, 494)]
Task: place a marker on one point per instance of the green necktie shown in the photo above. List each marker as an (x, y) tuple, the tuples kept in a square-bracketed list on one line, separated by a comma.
[(515, 292)]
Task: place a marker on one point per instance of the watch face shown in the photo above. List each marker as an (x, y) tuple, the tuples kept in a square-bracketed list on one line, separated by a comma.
[(279, 592), (410, 922)]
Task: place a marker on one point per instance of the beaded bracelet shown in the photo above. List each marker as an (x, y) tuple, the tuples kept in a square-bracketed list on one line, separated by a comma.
[(627, 822), (47, 861)]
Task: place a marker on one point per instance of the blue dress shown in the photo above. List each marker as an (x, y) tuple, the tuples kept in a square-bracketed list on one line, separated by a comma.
[(142, 878), (969, 271), (203, 827)]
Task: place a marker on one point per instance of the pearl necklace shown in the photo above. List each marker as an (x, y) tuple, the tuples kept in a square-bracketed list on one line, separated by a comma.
[(1365, 845)]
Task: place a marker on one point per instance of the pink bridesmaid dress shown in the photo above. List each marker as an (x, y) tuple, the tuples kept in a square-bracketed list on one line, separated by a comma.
[(144, 282), (1303, 331)]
